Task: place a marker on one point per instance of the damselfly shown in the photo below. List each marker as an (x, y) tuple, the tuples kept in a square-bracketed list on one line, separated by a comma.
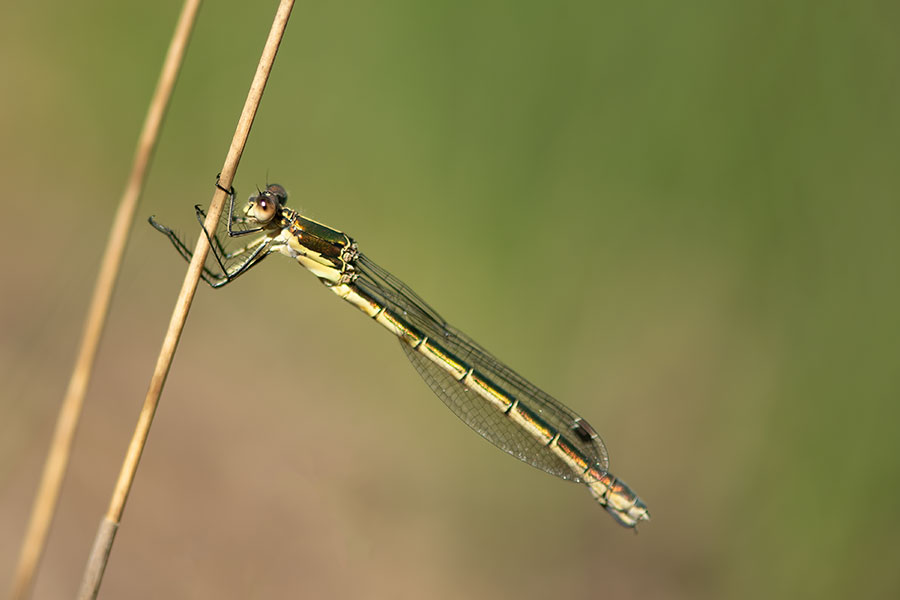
[(491, 398)]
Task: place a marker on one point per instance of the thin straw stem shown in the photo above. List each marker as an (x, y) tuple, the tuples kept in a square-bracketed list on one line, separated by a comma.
[(93, 574), (47, 497)]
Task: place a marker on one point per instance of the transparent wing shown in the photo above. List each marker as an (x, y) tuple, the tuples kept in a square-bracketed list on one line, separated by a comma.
[(466, 404)]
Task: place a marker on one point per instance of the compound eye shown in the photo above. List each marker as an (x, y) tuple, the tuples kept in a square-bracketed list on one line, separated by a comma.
[(264, 207)]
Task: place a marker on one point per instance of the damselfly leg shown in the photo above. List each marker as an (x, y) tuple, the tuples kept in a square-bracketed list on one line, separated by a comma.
[(231, 263)]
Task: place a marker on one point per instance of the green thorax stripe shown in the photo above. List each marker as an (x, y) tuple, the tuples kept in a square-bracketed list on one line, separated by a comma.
[(315, 236)]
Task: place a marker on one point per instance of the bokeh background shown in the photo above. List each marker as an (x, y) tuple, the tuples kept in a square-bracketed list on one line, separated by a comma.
[(679, 218)]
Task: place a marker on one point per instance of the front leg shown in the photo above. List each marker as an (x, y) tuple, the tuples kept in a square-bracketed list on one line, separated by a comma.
[(258, 249), (208, 275)]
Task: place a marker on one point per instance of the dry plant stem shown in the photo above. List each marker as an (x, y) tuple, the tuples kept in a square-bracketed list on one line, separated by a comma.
[(45, 501), (96, 565)]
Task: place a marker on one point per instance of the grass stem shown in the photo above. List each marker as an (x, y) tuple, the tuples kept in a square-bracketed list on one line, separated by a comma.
[(45, 502), (96, 564)]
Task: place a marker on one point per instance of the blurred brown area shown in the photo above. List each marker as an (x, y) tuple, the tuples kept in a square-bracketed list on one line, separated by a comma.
[(678, 218)]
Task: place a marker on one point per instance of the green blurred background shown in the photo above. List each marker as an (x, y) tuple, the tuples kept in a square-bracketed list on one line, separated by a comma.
[(678, 218)]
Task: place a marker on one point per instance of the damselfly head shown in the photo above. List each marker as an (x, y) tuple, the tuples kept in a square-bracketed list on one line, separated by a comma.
[(264, 206)]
